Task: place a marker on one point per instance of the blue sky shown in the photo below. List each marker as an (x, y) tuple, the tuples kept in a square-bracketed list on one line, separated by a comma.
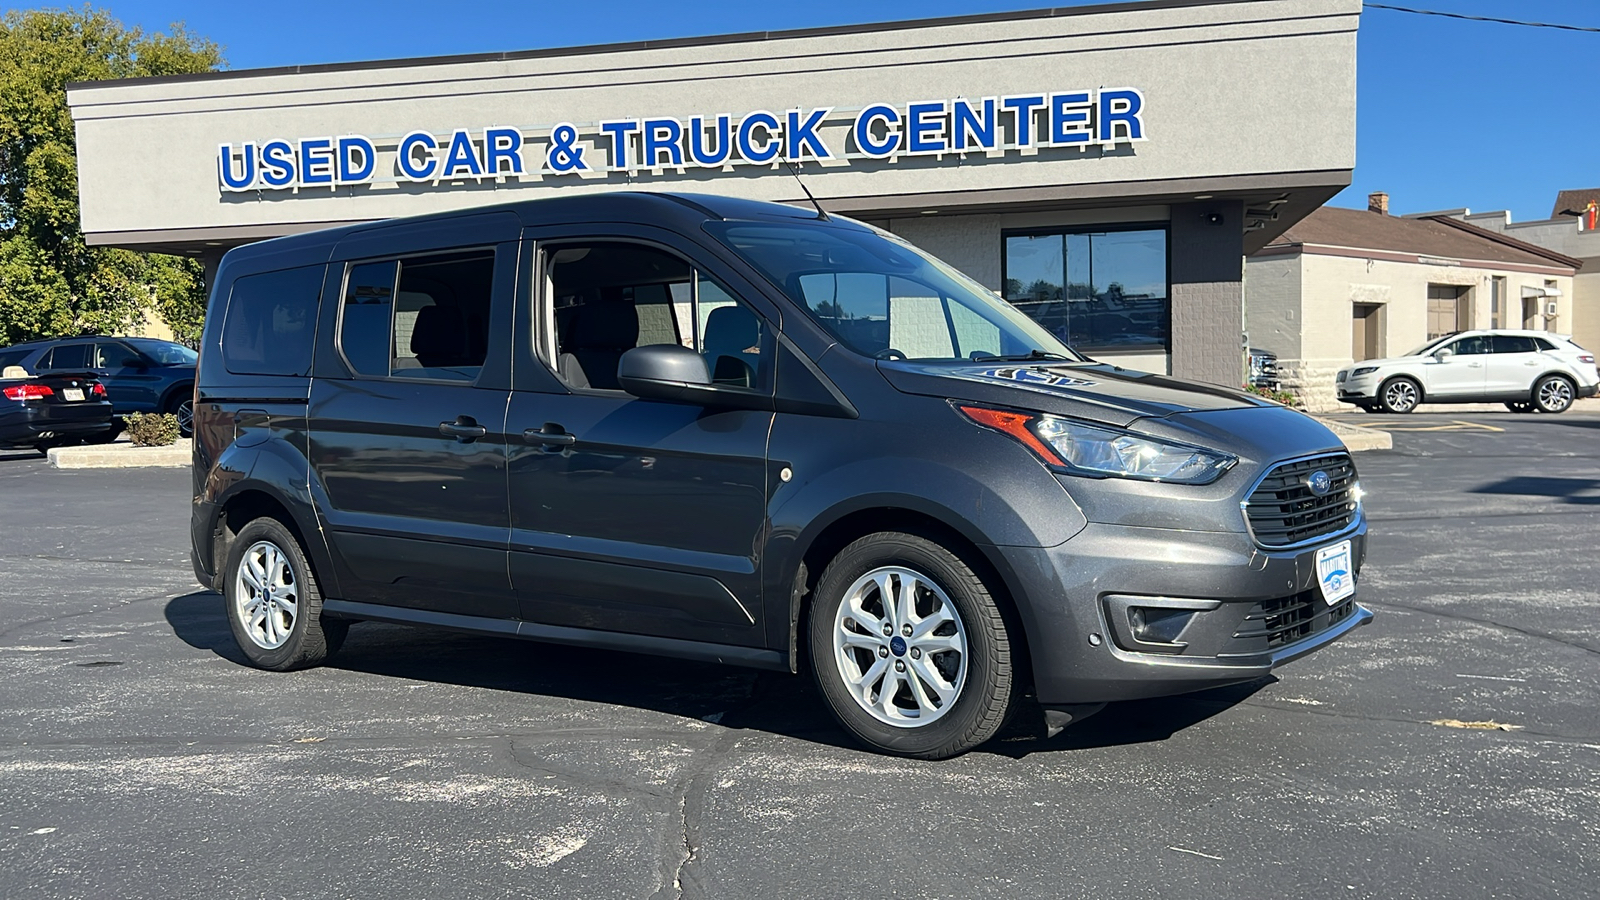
[(1450, 113)]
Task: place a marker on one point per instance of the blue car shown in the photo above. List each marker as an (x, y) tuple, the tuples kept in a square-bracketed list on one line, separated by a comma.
[(139, 374)]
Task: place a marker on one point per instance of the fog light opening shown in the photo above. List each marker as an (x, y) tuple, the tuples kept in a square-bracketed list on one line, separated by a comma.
[(1156, 625)]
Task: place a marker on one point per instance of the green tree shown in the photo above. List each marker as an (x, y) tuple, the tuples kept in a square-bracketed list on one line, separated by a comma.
[(52, 284)]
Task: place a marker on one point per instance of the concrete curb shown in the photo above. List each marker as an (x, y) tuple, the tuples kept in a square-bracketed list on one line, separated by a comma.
[(1359, 437), (122, 455)]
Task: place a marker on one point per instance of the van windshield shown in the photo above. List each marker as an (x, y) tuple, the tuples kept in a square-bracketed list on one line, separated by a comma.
[(884, 298)]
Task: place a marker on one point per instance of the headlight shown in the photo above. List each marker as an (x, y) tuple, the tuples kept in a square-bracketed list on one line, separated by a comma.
[(1364, 370), (1099, 451)]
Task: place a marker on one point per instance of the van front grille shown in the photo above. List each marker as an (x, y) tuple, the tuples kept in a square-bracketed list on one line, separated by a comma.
[(1284, 510)]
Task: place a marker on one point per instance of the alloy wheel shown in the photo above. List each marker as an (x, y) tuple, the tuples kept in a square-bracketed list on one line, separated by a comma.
[(1555, 395), (900, 647), (266, 595), (1400, 396), (185, 415)]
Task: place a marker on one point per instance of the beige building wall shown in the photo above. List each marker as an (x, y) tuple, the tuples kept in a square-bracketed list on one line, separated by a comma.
[(1562, 235), (1330, 286)]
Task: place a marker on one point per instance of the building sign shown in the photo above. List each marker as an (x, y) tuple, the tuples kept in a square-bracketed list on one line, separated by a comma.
[(880, 131)]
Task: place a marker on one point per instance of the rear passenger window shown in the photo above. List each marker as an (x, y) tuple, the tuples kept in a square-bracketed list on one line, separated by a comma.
[(66, 358), (1513, 343), (420, 317), (271, 321)]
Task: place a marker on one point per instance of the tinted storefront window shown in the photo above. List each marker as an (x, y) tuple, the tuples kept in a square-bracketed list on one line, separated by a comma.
[(1100, 291)]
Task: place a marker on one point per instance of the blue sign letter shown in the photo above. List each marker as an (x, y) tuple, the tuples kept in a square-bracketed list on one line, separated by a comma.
[(968, 125), (247, 153), (406, 156), (747, 144), (1069, 118), (863, 130), (801, 135), (723, 141), (462, 157), (502, 144), (1121, 107), (924, 135), (358, 168), (1024, 107), (277, 163), (619, 132), (663, 136), (316, 161)]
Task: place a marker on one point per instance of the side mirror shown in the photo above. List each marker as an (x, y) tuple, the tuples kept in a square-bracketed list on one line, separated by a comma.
[(666, 372), (1443, 354)]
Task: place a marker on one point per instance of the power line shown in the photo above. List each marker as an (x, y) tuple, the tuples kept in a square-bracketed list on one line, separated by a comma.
[(1452, 15)]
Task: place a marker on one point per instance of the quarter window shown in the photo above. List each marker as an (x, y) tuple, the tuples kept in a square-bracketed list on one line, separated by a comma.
[(422, 317), (270, 322), (68, 357)]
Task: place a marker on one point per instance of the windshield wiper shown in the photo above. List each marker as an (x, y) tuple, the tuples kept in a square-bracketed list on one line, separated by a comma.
[(1030, 356)]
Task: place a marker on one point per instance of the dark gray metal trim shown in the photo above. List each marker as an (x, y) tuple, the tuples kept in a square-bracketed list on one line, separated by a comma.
[(558, 634), (672, 43)]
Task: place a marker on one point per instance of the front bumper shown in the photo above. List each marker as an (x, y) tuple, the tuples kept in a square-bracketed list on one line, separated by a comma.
[(1248, 610), (1357, 390)]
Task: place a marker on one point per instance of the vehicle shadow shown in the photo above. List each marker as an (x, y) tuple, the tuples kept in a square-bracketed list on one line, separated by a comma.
[(732, 697), (1565, 489), (19, 455)]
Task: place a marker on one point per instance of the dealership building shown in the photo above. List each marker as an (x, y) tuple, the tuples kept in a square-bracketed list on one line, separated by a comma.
[(1106, 168)]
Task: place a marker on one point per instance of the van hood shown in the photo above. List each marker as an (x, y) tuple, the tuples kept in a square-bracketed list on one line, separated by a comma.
[(1091, 391)]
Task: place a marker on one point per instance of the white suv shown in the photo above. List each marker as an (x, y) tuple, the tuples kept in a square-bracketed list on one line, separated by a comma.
[(1527, 370)]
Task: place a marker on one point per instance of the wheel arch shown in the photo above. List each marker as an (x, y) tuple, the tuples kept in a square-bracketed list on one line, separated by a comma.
[(847, 522), (1422, 389), (174, 390), (252, 499)]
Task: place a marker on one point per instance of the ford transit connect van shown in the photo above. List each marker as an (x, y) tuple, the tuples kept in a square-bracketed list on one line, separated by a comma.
[(746, 433)]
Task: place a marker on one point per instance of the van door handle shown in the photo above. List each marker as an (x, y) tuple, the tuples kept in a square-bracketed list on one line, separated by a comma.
[(464, 429), (551, 435)]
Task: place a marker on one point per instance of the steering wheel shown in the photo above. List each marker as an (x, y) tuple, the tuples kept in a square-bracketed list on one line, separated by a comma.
[(889, 353)]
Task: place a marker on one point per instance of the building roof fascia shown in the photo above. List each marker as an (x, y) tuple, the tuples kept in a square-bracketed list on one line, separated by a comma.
[(668, 43)]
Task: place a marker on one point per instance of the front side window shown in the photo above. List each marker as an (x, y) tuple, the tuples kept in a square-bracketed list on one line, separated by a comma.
[(606, 298), (270, 323), (884, 298), (1100, 292), (114, 355), (419, 317), (166, 353), (1471, 346)]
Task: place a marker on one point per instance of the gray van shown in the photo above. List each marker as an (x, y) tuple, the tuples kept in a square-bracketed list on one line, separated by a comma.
[(753, 434)]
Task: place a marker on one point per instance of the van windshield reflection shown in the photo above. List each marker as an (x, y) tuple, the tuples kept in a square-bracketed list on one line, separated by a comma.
[(884, 298)]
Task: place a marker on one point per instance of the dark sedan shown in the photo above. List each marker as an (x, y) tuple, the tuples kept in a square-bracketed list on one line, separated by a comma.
[(139, 374), (52, 410)]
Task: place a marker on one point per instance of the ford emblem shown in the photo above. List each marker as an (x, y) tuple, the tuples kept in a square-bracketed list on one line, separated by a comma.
[(1320, 483)]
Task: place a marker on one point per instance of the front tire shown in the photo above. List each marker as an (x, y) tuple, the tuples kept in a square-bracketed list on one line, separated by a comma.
[(181, 405), (273, 602), (1553, 394), (910, 649), (1399, 395)]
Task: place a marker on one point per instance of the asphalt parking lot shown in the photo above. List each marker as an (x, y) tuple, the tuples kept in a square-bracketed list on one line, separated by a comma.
[(139, 758)]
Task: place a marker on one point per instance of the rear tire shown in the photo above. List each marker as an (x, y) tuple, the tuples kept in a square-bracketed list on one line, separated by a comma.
[(1554, 394), (274, 605), (941, 680), (1399, 395)]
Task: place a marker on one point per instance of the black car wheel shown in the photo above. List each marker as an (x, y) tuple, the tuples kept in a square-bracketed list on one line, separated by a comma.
[(910, 648), (182, 406)]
